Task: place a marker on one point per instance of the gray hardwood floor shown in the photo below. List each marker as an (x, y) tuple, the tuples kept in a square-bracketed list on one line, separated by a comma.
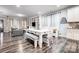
[(19, 45)]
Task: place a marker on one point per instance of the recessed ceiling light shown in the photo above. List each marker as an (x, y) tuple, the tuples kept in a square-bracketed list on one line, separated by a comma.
[(20, 15), (17, 5)]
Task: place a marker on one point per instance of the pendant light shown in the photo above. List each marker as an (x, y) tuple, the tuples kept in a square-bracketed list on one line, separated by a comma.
[(63, 20)]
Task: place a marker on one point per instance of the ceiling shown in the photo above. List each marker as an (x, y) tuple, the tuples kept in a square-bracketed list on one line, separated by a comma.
[(29, 10)]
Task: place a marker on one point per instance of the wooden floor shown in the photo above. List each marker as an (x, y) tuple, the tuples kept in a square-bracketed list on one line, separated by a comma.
[(19, 45)]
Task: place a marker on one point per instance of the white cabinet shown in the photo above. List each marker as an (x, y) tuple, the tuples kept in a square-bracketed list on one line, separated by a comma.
[(73, 34), (70, 15), (76, 14), (76, 34), (36, 21), (70, 34), (73, 14)]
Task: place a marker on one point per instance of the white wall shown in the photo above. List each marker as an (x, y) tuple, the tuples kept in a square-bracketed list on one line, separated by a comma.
[(50, 21), (20, 23), (15, 23), (43, 22), (46, 22), (7, 24), (57, 20)]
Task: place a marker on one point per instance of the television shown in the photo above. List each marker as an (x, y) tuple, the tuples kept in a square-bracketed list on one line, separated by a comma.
[(33, 24)]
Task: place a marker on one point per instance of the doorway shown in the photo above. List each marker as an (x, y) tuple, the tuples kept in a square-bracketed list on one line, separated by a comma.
[(1, 26)]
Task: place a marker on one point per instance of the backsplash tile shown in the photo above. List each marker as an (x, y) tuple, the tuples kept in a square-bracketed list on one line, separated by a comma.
[(74, 25)]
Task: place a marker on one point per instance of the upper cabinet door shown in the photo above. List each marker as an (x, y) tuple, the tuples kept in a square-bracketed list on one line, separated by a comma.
[(73, 14), (76, 10)]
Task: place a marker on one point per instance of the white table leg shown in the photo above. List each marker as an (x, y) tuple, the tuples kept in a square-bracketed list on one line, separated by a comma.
[(40, 40), (35, 43), (48, 42)]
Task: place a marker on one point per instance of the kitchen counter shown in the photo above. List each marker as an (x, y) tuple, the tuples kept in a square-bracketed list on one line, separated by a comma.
[(73, 28)]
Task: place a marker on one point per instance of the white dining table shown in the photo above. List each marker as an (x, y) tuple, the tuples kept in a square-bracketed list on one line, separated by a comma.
[(41, 33)]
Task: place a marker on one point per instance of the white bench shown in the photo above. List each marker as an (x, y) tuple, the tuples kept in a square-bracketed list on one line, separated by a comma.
[(32, 37)]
